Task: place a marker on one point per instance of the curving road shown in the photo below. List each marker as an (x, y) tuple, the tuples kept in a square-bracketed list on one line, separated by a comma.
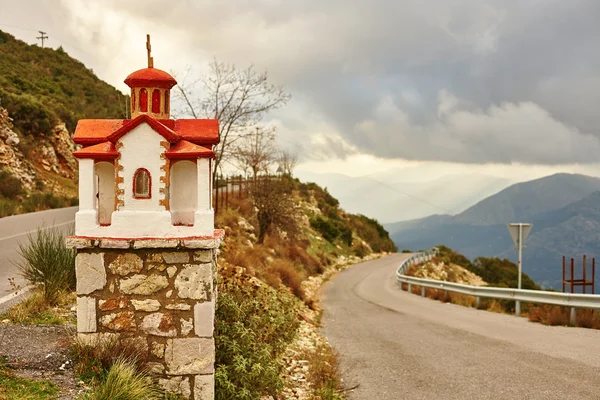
[(396, 345), (14, 230)]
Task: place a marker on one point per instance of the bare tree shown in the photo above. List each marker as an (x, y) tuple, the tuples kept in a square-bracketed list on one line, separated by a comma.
[(255, 151), (275, 206), (287, 162), (239, 99)]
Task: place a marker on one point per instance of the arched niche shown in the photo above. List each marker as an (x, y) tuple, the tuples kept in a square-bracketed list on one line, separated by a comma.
[(105, 191), (183, 192)]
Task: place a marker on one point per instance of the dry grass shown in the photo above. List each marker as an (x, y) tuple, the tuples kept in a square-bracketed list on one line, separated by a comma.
[(324, 373), (282, 272), (93, 360), (588, 319), (37, 310), (556, 315)]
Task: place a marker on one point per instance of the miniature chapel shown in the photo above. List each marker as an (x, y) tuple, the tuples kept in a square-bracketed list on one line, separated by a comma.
[(148, 176)]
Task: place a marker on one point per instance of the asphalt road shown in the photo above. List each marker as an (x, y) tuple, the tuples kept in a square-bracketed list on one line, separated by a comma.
[(396, 345), (14, 230)]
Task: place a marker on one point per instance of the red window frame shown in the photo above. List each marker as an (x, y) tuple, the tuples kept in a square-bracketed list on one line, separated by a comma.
[(135, 178), (143, 100)]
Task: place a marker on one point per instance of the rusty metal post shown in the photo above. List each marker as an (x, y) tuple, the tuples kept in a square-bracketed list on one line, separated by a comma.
[(563, 274), (593, 275), (572, 272), (584, 268)]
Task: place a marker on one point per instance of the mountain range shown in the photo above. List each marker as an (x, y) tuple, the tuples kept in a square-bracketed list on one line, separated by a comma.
[(564, 210), (401, 197)]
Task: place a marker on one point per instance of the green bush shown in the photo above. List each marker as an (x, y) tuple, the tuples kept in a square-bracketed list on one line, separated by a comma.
[(48, 262), (7, 207), (10, 187), (325, 227), (254, 324)]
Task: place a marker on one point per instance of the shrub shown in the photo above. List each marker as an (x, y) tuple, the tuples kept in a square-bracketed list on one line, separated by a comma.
[(324, 373), (7, 207), (124, 382), (289, 276), (254, 324), (48, 262), (325, 227), (10, 187), (94, 359)]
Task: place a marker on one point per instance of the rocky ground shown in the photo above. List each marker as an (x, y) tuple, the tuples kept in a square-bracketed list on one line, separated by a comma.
[(41, 352), (446, 272)]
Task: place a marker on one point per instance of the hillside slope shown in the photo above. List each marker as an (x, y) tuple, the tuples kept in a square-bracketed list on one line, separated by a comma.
[(564, 209), (43, 92)]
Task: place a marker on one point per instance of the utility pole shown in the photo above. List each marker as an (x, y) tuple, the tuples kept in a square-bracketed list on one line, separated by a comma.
[(42, 37)]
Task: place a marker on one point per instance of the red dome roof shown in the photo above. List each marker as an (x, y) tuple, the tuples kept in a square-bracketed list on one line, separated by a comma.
[(150, 77)]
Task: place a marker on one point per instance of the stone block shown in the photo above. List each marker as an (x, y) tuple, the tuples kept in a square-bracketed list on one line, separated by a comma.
[(148, 305), (154, 258), (204, 387), (126, 264), (78, 243), (178, 384), (122, 321), (194, 282), (199, 243), (204, 319), (186, 325), (155, 244), (158, 349), (142, 284), (176, 257), (155, 368), (190, 356), (178, 306), (114, 244), (93, 339), (90, 272), (159, 324), (86, 314), (113, 304), (203, 256), (171, 271)]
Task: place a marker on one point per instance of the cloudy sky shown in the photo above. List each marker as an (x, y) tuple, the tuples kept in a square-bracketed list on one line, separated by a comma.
[(505, 87)]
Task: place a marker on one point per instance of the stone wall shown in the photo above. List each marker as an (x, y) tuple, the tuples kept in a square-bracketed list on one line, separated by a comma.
[(163, 291)]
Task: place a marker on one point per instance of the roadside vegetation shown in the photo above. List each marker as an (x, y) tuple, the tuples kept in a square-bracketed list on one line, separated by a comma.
[(499, 273), (13, 387)]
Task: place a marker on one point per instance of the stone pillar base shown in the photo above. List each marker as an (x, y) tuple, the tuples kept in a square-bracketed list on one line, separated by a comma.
[(162, 291)]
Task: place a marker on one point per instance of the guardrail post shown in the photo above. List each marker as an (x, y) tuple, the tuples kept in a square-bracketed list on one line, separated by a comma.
[(573, 316), (409, 288), (517, 308), (422, 291), (477, 300)]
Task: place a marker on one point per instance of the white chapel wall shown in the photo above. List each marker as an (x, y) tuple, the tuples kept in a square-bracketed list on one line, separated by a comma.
[(183, 192)]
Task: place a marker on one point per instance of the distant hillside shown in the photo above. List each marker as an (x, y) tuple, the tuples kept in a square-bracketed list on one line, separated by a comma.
[(523, 201), (43, 93), (567, 223), (398, 198), (41, 87)]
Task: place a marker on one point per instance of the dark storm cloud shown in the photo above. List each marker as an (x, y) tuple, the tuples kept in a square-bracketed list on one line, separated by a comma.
[(452, 80)]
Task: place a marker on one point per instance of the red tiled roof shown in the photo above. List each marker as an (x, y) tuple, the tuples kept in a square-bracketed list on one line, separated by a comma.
[(184, 150), (165, 132), (150, 77), (102, 151), (203, 132), (93, 131)]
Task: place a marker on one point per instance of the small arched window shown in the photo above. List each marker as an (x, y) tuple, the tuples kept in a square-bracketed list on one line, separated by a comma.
[(142, 184), (143, 100), (156, 101)]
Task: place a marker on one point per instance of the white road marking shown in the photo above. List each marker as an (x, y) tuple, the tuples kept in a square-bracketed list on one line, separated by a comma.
[(35, 230)]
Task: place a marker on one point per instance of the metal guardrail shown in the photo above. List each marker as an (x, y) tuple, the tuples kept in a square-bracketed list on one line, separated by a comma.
[(573, 300)]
